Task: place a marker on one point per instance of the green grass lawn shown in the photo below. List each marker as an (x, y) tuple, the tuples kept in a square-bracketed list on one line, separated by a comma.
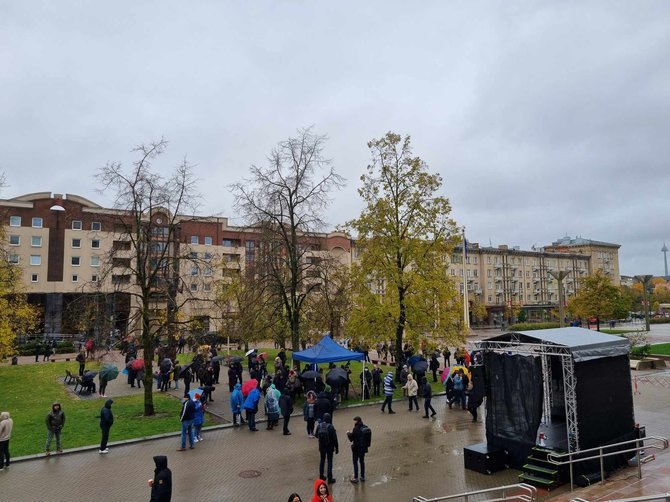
[(662, 349), (28, 392)]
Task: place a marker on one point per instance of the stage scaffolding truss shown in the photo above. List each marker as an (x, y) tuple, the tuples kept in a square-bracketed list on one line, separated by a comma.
[(544, 350)]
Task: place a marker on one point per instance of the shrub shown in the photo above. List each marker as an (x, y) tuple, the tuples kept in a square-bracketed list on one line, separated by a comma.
[(528, 326), (640, 352)]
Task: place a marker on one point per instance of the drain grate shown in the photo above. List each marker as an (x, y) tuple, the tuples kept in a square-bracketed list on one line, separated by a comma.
[(249, 474)]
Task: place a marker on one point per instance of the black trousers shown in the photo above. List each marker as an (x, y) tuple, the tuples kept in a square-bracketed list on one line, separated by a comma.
[(413, 399), (4, 453), (387, 401), (286, 420), (375, 388), (427, 406), (105, 437), (82, 366), (358, 458)]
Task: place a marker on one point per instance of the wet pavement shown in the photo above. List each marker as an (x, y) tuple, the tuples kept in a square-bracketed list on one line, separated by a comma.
[(409, 456)]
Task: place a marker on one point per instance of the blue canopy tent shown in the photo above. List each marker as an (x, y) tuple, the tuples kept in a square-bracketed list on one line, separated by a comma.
[(328, 351)]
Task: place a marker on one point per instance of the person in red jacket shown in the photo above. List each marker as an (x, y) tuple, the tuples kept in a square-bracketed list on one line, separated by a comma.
[(321, 492)]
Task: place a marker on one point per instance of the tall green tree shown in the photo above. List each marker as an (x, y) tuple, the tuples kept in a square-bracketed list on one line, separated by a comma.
[(285, 201), (598, 297), (404, 236)]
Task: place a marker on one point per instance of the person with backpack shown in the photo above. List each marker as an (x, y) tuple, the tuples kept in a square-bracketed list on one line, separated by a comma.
[(327, 436), (361, 438), (389, 385)]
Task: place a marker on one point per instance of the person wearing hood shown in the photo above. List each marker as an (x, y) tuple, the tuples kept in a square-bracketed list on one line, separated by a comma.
[(327, 436), (389, 385), (322, 406), (427, 393), (106, 421), (6, 426), (271, 408), (321, 492), (286, 407), (250, 406), (412, 390), (236, 401), (161, 485), (55, 421)]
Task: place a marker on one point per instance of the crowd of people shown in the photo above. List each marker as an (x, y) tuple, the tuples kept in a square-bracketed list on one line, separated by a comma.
[(276, 392)]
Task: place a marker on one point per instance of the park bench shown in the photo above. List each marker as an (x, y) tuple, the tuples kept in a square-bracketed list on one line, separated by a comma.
[(69, 377), (83, 386)]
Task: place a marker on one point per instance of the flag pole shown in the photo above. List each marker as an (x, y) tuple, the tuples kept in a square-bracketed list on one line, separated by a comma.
[(466, 305)]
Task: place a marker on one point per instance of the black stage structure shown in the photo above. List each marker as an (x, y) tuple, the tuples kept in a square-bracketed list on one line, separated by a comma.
[(573, 385)]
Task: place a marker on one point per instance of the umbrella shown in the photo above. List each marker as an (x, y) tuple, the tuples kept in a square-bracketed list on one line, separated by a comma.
[(109, 372), (445, 374), (248, 386), (308, 375), (90, 374), (217, 359), (195, 394), (165, 365), (184, 369), (249, 352), (414, 359), (420, 366), (337, 377), (234, 359), (129, 364), (454, 369), (264, 355), (137, 365)]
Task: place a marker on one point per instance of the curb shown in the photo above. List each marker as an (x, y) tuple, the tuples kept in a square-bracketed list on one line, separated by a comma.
[(165, 435)]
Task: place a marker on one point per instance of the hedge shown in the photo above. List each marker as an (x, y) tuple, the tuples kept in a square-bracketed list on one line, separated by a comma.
[(528, 326)]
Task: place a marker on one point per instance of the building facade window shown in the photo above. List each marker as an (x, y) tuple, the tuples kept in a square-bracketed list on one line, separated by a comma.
[(36, 241), (95, 261), (208, 240), (37, 222), (34, 278), (194, 287), (75, 261), (14, 259), (194, 271), (96, 225), (194, 239), (75, 278), (76, 224), (94, 278), (14, 240), (35, 259), (207, 286), (207, 271), (95, 244), (76, 243), (14, 221)]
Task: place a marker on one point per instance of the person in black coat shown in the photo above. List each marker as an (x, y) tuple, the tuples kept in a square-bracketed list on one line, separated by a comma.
[(322, 406), (161, 485), (427, 393), (358, 449), (106, 421), (376, 380), (434, 366), (327, 447), (286, 407)]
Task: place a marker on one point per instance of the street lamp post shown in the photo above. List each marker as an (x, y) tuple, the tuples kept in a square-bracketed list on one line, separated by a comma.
[(559, 276), (645, 280)]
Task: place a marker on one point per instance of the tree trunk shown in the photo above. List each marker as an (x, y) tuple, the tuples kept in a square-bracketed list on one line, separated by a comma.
[(148, 346), (399, 332)]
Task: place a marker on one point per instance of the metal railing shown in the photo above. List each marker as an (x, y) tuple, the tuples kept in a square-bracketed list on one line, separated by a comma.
[(644, 498), (520, 491), (659, 443)]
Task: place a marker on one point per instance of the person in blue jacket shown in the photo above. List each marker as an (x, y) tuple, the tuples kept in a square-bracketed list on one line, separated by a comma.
[(251, 407), (236, 402), (198, 420)]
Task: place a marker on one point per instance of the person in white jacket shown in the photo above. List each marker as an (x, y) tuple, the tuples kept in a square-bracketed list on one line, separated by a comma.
[(6, 425), (412, 390)]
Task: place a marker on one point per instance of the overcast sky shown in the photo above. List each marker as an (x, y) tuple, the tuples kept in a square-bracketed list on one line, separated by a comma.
[(544, 119)]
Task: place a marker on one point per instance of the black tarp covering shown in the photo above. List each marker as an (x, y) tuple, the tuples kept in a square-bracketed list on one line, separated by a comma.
[(604, 401), (514, 403)]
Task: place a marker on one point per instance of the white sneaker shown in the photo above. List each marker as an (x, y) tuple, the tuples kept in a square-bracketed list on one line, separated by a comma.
[(106, 450), (196, 440), (200, 439)]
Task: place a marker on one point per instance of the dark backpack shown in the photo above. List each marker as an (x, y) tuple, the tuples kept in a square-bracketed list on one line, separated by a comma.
[(366, 435), (323, 434)]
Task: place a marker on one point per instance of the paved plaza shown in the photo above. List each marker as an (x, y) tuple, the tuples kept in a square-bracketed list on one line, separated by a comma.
[(409, 456)]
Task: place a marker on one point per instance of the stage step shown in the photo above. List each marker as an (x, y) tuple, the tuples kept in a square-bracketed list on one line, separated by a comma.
[(534, 480), (552, 473), (541, 462)]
